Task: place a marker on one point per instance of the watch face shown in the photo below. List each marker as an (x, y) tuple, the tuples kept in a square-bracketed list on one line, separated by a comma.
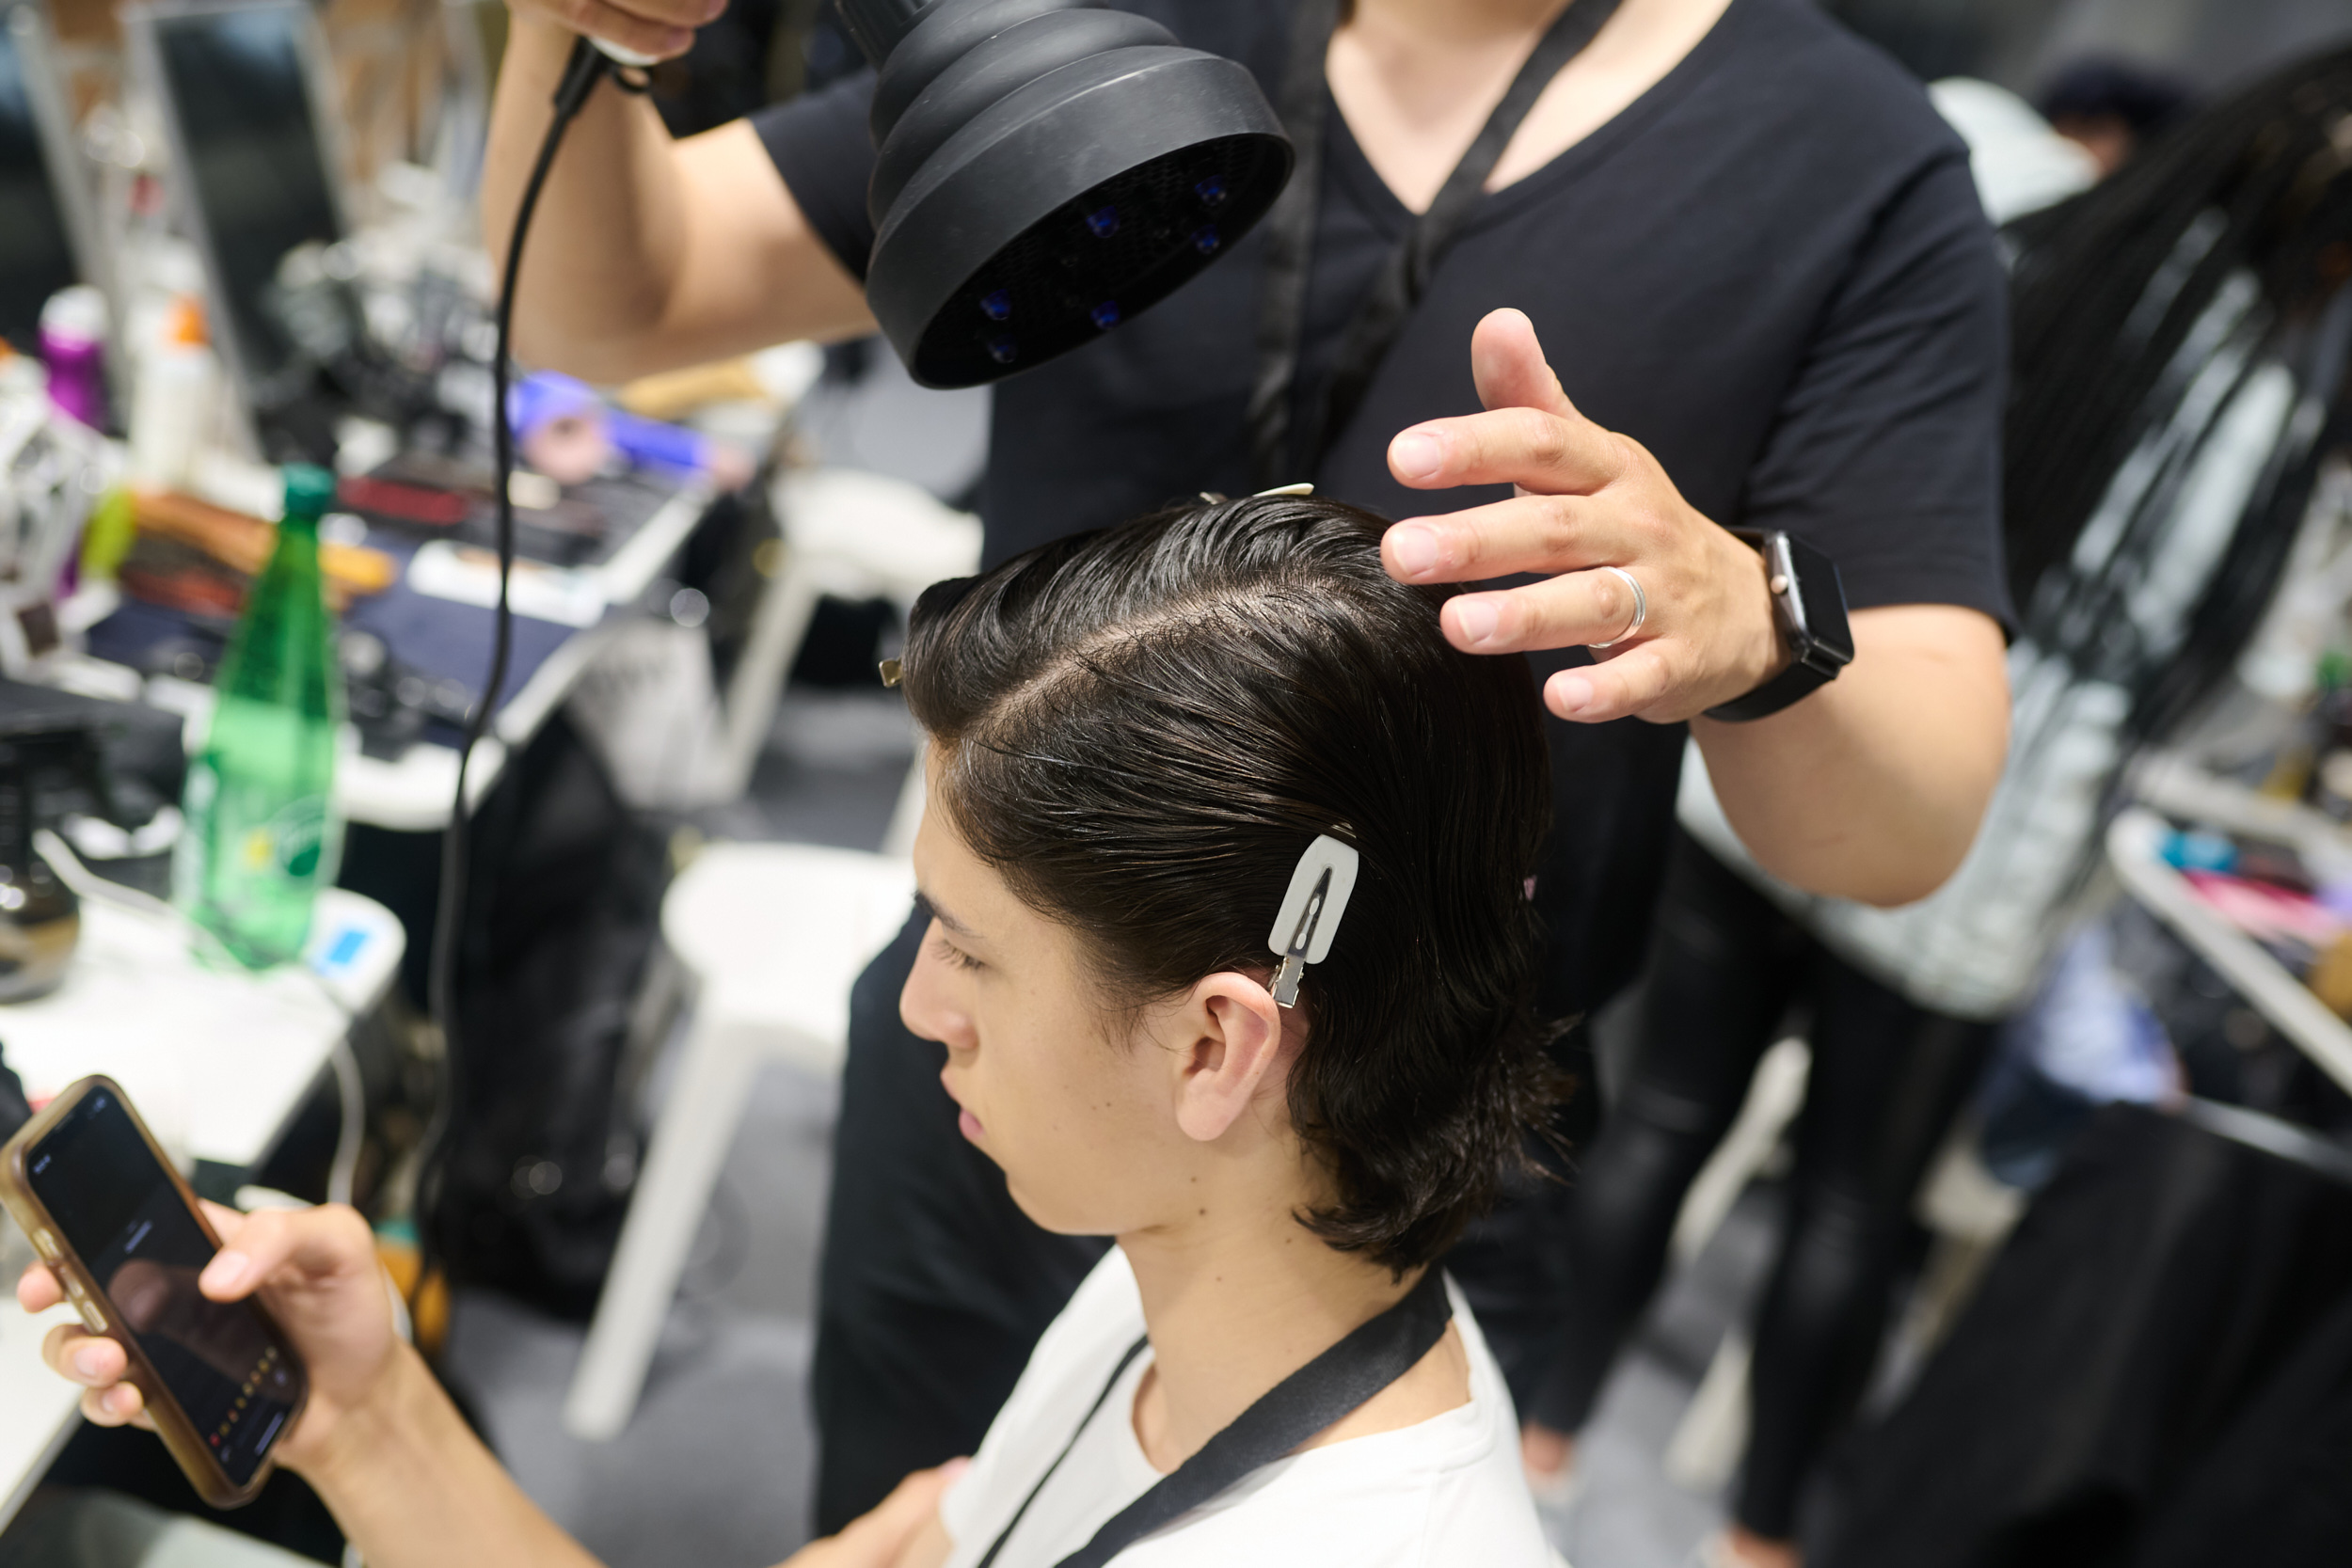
[(1817, 606)]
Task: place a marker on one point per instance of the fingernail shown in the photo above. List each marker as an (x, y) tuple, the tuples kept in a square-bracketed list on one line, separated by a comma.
[(1417, 454), (1571, 694), (86, 1362), (226, 1272), (1415, 549), (1477, 620), (955, 1467), (678, 40)]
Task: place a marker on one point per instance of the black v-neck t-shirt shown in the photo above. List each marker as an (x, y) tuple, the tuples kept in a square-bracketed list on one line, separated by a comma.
[(1771, 269)]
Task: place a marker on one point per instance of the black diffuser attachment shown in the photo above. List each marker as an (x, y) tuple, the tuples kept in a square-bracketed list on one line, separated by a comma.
[(1046, 169)]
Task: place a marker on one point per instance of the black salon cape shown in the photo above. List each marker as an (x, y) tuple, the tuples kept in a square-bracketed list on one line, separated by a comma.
[(1772, 270)]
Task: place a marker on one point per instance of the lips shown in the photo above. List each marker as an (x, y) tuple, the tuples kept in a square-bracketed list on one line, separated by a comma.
[(965, 1121)]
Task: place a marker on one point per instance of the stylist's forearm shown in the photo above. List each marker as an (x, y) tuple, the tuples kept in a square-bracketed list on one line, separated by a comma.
[(1872, 787), (607, 240), (413, 1487)]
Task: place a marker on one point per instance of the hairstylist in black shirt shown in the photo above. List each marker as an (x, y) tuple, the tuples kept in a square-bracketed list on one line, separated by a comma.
[(1756, 261)]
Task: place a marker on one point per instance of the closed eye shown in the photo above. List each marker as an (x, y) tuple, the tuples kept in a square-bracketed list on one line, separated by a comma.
[(947, 952)]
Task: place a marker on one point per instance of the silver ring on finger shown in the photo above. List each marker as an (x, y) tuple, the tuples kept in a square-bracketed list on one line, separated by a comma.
[(1641, 608)]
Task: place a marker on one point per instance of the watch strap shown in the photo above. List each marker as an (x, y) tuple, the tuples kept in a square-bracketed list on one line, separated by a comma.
[(1809, 576), (1800, 680)]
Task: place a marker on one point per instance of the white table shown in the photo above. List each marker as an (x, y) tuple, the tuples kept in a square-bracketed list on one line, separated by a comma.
[(413, 794), (217, 1061)]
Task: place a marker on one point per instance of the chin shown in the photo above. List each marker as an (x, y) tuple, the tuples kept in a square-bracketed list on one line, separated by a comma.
[(1061, 1219)]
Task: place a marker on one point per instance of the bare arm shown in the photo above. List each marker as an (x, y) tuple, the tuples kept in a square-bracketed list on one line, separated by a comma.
[(647, 253), (1870, 789), (404, 1475), (929, 1546), (412, 1485)]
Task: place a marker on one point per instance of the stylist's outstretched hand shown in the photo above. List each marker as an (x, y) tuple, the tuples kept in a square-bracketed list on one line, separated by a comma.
[(1588, 499)]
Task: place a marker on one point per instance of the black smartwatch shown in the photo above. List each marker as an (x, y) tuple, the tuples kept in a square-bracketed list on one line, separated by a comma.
[(1809, 609)]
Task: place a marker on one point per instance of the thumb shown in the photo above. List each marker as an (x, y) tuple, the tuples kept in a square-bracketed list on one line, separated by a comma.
[(316, 1241), (225, 1222), (1508, 363)]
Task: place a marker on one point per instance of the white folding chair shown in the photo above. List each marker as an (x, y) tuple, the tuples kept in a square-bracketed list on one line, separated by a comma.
[(770, 937), (767, 936)]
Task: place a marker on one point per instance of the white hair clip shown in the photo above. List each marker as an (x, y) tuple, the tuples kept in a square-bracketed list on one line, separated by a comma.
[(1218, 497), (1310, 916)]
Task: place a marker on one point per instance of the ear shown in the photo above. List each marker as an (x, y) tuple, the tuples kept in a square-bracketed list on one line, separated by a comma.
[(1238, 1048)]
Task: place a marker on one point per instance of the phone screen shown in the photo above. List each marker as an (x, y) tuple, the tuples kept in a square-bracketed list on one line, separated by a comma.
[(120, 1212)]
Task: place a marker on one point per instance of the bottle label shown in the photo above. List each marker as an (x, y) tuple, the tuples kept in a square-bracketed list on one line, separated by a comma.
[(286, 844), (251, 861), (296, 836)]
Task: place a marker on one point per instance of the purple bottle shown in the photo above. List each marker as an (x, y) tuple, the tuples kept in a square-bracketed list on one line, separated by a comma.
[(73, 346)]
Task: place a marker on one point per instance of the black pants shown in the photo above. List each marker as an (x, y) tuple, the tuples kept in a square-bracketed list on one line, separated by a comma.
[(1885, 1081)]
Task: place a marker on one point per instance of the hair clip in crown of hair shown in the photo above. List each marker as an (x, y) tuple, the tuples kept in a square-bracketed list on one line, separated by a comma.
[(1218, 497), (892, 671), (1310, 916)]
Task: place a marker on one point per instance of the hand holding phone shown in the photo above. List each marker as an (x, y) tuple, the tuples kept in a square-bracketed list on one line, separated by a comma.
[(171, 1356), (370, 1427)]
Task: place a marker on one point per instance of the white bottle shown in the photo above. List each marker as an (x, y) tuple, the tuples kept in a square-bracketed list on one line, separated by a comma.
[(177, 401)]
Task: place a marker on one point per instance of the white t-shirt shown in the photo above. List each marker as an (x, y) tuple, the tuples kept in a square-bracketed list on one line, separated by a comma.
[(1447, 1491)]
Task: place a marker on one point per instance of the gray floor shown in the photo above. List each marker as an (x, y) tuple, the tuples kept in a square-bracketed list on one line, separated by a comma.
[(715, 1470), (1629, 1515)]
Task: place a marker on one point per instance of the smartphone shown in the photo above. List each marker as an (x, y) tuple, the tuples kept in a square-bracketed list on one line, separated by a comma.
[(113, 1220)]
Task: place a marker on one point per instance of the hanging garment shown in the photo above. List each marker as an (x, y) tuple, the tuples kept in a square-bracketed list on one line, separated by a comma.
[(2278, 1489), (2179, 378), (2133, 1380)]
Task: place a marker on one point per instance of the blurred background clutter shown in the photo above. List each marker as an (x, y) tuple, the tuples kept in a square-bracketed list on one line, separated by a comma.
[(2014, 1226)]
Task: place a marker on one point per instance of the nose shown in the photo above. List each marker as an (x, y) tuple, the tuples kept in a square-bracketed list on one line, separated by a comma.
[(931, 1004)]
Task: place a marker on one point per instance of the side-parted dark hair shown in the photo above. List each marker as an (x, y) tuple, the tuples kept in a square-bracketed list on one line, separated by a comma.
[(1143, 728)]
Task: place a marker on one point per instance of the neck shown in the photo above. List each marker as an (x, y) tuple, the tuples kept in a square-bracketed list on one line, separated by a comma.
[(1236, 1303), (1415, 79), (1456, 22)]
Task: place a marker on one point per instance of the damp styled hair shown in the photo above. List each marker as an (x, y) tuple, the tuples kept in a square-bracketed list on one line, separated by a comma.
[(1141, 729)]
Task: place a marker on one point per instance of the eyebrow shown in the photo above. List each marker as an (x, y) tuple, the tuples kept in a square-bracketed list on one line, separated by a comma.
[(939, 913)]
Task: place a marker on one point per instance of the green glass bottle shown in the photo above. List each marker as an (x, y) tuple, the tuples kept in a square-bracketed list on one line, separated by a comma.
[(261, 836)]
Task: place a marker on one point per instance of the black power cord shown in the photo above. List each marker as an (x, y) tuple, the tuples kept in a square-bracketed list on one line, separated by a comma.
[(583, 70)]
